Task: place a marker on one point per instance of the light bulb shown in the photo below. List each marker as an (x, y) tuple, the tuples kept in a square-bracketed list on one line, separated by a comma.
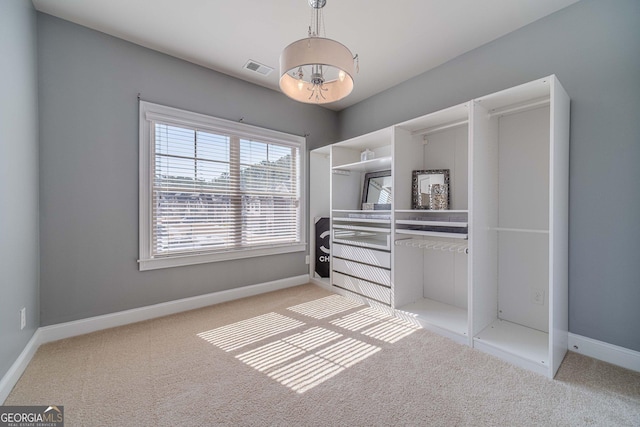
[(341, 75), (300, 84)]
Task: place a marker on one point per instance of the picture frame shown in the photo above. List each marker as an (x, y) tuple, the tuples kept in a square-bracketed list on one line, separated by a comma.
[(420, 182)]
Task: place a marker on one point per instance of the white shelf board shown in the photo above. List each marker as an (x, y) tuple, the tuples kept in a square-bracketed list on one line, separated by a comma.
[(361, 228), (518, 340), (370, 212), (365, 242), (435, 223), (363, 220), (439, 314), (432, 234), (324, 151), (378, 164), (432, 211), (455, 114), (521, 230), (372, 140)]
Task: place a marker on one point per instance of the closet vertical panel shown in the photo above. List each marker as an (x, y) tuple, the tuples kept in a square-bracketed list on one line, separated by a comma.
[(319, 201), (408, 262), (559, 223), (483, 217)]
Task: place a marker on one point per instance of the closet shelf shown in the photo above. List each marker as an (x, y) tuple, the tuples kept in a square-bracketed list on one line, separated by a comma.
[(445, 316), (521, 230), (429, 211), (437, 245), (378, 164), (371, 242), (434, 223), (363, 212), (527, 343), (463, 236), (362, 228), (362, 220)]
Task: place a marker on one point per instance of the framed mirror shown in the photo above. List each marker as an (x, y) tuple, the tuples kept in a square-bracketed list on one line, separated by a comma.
[(422, 180), (376, 193)]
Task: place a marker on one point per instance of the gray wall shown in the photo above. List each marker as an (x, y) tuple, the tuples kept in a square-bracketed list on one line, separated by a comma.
[(593, 47), (18, 178), (89, 169)]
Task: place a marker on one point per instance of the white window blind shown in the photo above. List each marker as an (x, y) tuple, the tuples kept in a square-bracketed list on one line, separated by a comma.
[(217, 189)]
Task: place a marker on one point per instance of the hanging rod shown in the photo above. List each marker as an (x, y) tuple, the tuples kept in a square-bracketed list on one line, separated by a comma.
[(434, 129), (518, 108), (438, 245)]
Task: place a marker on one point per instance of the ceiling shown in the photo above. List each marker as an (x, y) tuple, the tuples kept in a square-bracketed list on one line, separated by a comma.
[(394, 40)]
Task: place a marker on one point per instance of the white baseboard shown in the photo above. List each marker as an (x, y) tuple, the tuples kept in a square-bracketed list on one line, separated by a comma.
[(97, 323), (609, 353), (60, 331), (15, 371)]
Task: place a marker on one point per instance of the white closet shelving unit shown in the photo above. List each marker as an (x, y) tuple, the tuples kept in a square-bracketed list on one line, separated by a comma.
[(520, 222), (431, 259), (361, 240), (492, 271)]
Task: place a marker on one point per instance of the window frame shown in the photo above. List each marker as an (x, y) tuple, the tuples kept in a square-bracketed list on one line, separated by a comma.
[(149, 113)]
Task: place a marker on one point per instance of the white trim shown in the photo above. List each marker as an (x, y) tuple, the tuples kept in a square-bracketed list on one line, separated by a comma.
[(15, 371), (606, 352), (157, 112), (177, 261), (148, 113), (97, 323), (60, 331)]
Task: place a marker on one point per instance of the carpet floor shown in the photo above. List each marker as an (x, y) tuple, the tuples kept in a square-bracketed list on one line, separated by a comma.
[(306, 357)]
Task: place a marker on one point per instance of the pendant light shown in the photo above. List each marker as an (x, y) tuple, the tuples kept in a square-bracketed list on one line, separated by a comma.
[(316, 70)]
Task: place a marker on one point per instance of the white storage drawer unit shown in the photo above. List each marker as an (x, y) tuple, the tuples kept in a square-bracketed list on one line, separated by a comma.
[(362, 287), (366, 256), (378, 275)]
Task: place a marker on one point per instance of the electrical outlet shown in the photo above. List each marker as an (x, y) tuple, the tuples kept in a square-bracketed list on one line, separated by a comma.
[(23, 318), (537, 296), (307, 260)]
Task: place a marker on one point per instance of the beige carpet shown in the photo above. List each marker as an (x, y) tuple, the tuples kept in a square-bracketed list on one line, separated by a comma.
[(305, 357)]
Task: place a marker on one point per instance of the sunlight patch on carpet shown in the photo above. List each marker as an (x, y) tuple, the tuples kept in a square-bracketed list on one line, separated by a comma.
[(325, 307), (348, 352), (360, 319), (270, 355), (275, 353), (304, 374), (391, 331), (312, 338), (310, 355), (237, 335)]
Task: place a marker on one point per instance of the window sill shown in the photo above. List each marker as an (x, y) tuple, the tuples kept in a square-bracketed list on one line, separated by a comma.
[(178, 261)]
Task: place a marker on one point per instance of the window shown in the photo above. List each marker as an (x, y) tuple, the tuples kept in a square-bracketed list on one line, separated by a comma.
[(213, 190)]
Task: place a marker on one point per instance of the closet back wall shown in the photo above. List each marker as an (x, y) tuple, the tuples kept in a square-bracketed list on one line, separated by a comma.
[(593, 48), (89, 169)]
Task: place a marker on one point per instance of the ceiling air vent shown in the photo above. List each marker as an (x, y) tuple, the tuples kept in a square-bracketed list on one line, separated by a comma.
[(257, 67)]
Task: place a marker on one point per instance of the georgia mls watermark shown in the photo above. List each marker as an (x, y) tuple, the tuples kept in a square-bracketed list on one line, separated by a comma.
[(32, 416)]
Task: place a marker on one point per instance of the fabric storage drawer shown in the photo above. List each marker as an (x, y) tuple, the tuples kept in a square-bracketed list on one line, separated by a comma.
[(367, 272), (367, 256), (362, 287)]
